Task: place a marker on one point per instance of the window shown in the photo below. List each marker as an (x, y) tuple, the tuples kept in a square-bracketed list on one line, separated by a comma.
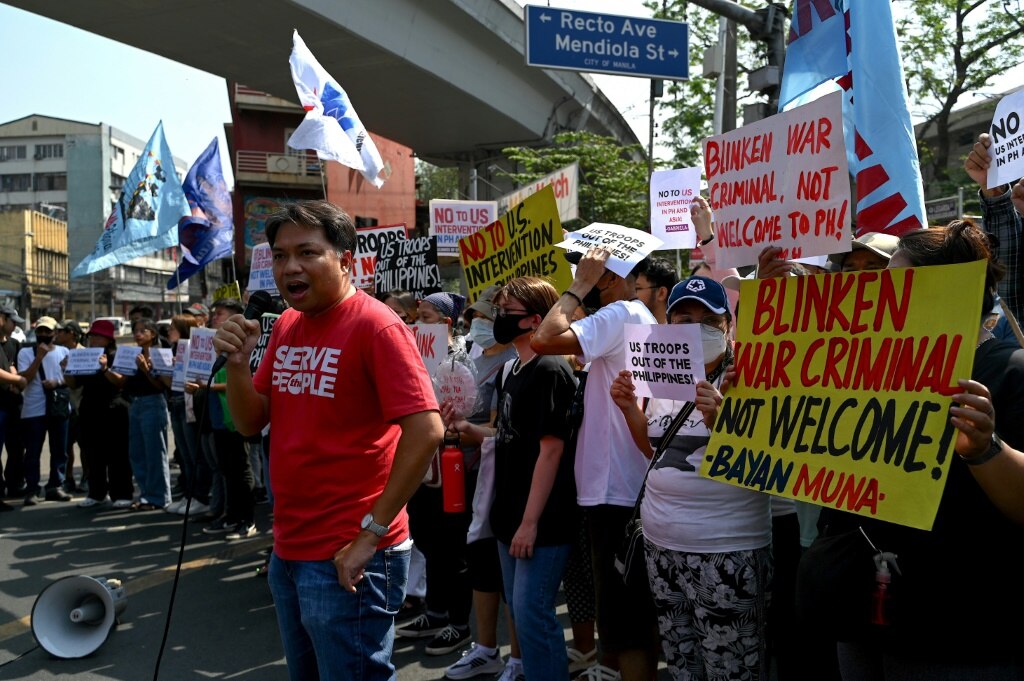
[(51, 182), (117, 181), (12, 152), (49, 151), (16, 183), (117, 153)]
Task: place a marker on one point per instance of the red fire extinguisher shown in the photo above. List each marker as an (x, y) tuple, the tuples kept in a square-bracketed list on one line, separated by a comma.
[(453, 475)]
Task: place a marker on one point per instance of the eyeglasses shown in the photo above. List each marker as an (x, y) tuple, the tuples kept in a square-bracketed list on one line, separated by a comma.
[(709, 319), (504, 311)]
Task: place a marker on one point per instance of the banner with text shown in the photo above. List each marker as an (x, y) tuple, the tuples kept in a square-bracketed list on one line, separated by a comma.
[(627, 246), (369, 242), (230, 290), (83, 361), (267, 322), (782, 181), (124, 360), (843, 385), (1007, 133), (409, 264), (564, 182), (453, 220), (163, 361), (520, 244), (671, 193), (201, 356), (180, 360), (261, 270), (432, 341), (666, 360)]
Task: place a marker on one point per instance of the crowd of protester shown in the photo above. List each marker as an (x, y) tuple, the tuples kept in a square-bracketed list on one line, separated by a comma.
[(559, 452)]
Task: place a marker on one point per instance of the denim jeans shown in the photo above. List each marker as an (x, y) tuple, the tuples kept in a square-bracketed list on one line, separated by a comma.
[(531, 586), (147, 448), (34, 431), (330, 634)]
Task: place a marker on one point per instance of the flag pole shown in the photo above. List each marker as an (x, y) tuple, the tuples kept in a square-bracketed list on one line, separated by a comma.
[(323, 177)]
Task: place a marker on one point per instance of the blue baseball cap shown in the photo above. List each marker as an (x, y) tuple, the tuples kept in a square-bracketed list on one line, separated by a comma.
[(704, 290)]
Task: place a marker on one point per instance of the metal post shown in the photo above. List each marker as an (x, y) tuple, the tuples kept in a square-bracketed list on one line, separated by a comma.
[(472, 183), (729, 78)]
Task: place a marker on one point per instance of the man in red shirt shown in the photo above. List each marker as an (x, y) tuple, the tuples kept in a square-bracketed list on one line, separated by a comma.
[(354, 423)]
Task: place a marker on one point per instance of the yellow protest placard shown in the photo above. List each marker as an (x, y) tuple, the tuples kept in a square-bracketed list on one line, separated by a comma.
[(229, 290), (520, 244), (843, 385)]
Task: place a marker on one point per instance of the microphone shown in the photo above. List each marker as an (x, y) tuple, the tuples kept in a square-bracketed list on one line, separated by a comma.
[(259, 302)]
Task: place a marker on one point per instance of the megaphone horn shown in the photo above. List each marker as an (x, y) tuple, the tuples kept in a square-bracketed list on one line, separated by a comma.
[(73, 616)]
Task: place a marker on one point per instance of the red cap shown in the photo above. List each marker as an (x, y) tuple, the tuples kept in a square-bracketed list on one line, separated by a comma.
[(102, 327)]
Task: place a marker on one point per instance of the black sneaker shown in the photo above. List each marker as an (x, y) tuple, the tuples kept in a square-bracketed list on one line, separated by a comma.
[(423, 626), (57, 494), (30, 500), (4, 506), (448, 640), (221, 526)]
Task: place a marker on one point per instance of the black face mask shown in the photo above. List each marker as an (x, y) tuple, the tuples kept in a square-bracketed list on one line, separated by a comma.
[(506, 327), (592, 301), (44, 340)]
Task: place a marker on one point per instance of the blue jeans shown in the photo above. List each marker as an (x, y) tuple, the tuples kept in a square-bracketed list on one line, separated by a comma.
[(531, 586), (147, 448), (331, 634), (34, 430)]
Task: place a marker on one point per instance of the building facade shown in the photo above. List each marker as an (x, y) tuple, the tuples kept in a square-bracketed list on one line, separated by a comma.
[(34, 263), (75, 171)]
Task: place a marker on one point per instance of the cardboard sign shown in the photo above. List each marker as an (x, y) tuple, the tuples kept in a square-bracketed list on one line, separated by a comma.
[(180, 360), (410, 265), (1007, 132), (432, 341), (454, 382), (671, 193), (124, 360), (83, 361), (201, 355), (369, 243), (564, 182), (230, 290), (454, 220), (163, 361), (627, 246), (666, 360), (842, 388), (520, 244), (267, 321), (261, 270), (782, 181)]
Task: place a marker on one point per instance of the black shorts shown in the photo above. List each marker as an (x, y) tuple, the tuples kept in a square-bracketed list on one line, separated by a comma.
[(484, 567)]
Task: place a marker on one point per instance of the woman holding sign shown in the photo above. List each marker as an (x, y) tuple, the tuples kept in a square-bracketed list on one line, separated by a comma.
[(707, 543), (948, 608), (533, 514)]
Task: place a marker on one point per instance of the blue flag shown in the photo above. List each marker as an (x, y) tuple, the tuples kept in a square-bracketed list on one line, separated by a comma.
[(145, 218), (207, 234), (853, 45)]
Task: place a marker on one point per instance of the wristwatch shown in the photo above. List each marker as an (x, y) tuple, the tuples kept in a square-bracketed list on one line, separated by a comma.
[(369, 524), (994, 447)]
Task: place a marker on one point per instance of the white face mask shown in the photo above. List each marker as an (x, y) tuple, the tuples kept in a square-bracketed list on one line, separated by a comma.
[(712, 340), (482, 332)]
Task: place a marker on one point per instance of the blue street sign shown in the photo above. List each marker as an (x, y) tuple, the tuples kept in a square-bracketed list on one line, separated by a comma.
[(606, 43)]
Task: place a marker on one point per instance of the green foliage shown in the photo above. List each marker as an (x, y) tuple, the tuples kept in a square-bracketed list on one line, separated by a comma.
[(434, 182), (613, 177)]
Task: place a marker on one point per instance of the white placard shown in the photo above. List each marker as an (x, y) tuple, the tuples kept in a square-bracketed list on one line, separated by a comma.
[(666, 360), (455, 383), (432, 341), (627, 246), (564, 181), (124, 360), (163, 361), (782, 181), (452, 220), (83, 361), (201, 355), (261, 270), (180, 360), (671, 194), (1007, 132)]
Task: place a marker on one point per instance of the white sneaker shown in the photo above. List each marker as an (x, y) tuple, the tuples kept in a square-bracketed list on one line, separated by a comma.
[(475, 662), (123, 503), (600, 673), (513, 671), (579, 661), (176, 506), (89, 502), (197, 508)]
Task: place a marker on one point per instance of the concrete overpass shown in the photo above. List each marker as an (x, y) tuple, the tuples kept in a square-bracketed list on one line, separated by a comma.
[(445, 77)]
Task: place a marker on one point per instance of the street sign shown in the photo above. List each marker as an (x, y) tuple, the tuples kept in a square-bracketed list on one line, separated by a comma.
[(606, 43), (940, 211)]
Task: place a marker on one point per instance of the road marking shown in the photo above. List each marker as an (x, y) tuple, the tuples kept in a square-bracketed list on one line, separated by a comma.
[(165, 574)]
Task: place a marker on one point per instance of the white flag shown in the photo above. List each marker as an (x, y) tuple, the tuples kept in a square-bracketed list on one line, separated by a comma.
[(331, 125)]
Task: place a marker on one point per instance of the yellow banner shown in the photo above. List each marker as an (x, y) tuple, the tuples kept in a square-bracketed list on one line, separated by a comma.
[(520, 244), (843, 388), (227, 291)]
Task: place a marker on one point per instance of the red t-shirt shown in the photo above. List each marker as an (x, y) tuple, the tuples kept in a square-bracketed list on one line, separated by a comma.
[(336, 384)]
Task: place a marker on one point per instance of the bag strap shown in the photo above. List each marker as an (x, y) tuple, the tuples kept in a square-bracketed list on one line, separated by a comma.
[(673, 428)]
